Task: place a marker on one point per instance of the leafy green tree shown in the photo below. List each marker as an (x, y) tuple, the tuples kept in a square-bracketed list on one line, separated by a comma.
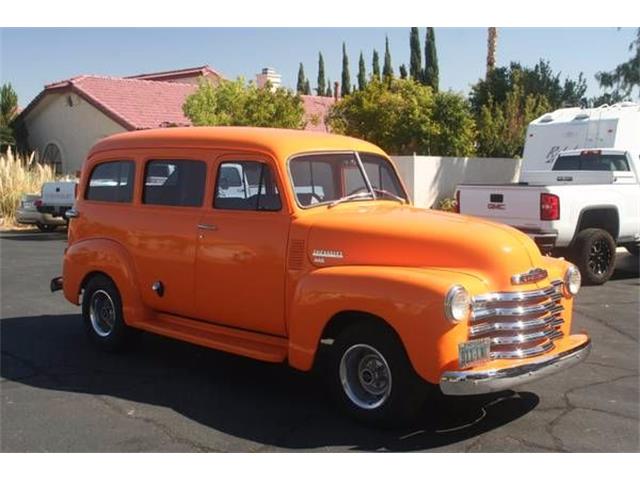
[(307, 87), (502, 125), (8, 112), (431, 69), (405, 117), (626, 76), (375, 66), (387, 69), (362, 73), (415, 56), (329, 91), (345, 88), (235, 102), (301, 79), (321, 90), (403, 71)]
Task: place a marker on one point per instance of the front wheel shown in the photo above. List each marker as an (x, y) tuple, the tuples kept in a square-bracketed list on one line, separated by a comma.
[(372, 379), (594, 253)]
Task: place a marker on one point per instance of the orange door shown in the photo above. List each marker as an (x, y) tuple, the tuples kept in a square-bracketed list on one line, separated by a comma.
[(242, 241), (163, 232)]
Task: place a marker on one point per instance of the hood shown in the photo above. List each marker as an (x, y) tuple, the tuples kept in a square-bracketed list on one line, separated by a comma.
[(384, 233)]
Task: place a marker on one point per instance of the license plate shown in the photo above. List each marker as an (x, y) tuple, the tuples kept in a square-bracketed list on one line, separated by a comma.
[(473, 352)]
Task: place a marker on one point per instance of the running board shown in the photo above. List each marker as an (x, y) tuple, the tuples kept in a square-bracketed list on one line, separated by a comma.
[(263, 347)]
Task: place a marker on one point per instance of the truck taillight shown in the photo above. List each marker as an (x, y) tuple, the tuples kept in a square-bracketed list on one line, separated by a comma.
[(549, 206), (456, 207), (37, 203)]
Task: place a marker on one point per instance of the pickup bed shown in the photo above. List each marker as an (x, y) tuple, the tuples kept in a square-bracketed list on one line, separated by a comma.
[(581, 214)]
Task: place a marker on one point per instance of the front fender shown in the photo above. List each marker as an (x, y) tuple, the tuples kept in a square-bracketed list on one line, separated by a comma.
[(410, 300), (110, 258)]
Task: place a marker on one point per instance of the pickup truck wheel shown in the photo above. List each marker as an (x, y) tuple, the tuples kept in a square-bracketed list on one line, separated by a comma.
[(594, 252), (102, 315), (43, 227), (372, 379)]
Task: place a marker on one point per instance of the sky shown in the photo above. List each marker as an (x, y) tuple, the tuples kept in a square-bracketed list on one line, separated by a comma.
[(31, 58)]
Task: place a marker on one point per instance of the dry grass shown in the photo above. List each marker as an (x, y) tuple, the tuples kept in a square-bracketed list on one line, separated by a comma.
[(19, 175)]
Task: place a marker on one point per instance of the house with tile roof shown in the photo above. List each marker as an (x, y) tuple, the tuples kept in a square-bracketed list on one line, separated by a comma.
[(69, 116)]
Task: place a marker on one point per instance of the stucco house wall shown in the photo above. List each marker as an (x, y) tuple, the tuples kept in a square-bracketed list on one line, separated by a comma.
[(71, 123)]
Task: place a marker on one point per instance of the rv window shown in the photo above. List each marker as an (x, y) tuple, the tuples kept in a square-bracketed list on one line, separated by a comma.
[(111, 182)]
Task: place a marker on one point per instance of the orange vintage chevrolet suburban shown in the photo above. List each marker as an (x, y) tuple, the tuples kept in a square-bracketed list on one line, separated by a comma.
[(270, 243)]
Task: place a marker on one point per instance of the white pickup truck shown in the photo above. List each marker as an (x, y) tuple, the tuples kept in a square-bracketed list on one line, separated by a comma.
[(57, 198), (579, 194)]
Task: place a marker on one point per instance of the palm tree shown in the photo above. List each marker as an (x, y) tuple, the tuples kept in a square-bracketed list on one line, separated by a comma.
[(492, 42)]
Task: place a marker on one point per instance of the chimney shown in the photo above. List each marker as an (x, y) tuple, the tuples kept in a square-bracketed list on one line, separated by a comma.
[(336, 91), (269, 74)]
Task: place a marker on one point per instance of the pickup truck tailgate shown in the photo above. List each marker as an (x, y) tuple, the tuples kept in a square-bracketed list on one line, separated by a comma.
[(516, 205)]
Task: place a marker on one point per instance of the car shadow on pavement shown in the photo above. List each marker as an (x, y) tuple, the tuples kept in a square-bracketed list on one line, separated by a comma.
[(33, 235), (273, 405)]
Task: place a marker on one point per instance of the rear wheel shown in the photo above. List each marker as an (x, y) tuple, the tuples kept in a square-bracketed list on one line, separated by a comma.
[(46, 227), (371, 377), (102, 315), (594, 252)]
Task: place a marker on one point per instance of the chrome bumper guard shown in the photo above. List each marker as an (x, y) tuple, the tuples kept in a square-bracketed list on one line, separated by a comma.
[(475, 382)]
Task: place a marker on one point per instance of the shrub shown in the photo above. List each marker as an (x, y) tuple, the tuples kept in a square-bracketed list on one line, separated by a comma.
[(19, 175), (447, 205)]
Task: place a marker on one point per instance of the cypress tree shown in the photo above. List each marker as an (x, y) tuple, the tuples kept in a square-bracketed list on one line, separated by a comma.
[(321, 90), (362, 74), (307, 87), (329, 91), (415, 58), (301, 79), (387, 70), (375, 65), (345, 88), (431, 70), (403, 71)]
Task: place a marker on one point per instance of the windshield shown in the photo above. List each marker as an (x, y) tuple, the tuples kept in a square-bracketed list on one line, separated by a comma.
[(331, 177), (592, 161)]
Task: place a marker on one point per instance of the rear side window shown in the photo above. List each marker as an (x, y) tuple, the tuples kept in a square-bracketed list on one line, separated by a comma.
[(178, 183), (111, 182), (246, 185)]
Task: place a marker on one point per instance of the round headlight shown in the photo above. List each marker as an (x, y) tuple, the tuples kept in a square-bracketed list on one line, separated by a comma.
[(572, 281), (457, 304)]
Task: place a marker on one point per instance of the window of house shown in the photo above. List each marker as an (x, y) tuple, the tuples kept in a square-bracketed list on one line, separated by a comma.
[(178, 183), (111, 182), (51, 155), (246, 185)]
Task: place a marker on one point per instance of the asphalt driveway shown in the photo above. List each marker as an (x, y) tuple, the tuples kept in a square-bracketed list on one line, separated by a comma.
[(59, 394)]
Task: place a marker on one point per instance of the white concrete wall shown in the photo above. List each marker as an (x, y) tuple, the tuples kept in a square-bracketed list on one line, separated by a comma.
[(73, 128), (430, 179)]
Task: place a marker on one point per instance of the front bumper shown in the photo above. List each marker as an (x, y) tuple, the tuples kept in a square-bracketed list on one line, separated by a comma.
[(479, 381)]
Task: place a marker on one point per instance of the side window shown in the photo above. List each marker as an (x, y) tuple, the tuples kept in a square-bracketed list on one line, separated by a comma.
[(178, 183), (111, 182), (246, 185)]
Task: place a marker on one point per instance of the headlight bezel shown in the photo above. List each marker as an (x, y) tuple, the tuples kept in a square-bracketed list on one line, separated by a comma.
[(451, 310), (569, 287)]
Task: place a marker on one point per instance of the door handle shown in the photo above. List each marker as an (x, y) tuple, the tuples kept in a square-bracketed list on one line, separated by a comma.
[(207, 226)]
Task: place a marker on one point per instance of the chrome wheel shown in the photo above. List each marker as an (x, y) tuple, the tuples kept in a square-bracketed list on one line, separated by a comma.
[(102, 313), (365, 376), (600, 256)]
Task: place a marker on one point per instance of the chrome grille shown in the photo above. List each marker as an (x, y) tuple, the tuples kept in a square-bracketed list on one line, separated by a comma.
[(519, 324)]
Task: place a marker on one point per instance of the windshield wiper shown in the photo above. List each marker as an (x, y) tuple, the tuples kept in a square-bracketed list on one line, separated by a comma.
[(353, 196), (389, 194)]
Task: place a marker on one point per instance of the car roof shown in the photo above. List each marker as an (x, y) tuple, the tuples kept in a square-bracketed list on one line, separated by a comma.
[(281, 143)]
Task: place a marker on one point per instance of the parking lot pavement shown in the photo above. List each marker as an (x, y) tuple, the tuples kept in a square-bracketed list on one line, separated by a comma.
[(59, 394)]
